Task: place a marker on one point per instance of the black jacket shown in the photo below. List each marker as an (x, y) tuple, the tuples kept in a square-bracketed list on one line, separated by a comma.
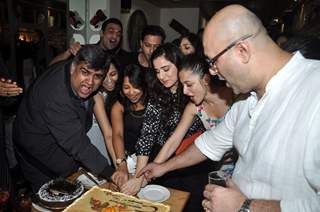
[(51, 126)]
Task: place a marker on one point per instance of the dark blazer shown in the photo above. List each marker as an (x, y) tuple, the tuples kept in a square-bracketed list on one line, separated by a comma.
[(51, 126)]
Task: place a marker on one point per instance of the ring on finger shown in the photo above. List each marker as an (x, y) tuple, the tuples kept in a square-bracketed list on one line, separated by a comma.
[(205, 208), (204, 205)]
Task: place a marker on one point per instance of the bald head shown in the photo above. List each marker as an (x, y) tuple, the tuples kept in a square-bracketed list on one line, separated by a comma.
[(240, 49), (231, 23)]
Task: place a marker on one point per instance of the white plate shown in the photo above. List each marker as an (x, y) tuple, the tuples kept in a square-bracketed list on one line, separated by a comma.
[(154, 193)]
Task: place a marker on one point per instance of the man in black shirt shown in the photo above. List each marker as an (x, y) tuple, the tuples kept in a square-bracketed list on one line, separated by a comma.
[(152, 36), (110, 41), (54, 117)]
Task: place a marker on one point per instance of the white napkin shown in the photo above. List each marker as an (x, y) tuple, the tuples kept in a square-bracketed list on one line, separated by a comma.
[(132, 163)]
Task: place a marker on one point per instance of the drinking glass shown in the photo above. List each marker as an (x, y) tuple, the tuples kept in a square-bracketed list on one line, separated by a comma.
[(218, 178)]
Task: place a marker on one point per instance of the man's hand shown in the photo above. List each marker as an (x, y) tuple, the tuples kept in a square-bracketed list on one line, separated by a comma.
[(132, 187), (152, 170), (121, 175), (74, 48), (220, 199), (9, 88)]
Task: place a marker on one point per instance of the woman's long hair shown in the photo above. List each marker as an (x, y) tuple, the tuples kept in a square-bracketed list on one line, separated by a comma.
[(195, 41), (136, 77), (112, 96), (160, 93), (197, 65)]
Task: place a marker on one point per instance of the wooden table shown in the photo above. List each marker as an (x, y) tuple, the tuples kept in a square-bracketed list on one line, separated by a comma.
[(177, 200)]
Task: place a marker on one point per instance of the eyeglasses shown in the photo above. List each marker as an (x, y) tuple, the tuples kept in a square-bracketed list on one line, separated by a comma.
[(212, 61)]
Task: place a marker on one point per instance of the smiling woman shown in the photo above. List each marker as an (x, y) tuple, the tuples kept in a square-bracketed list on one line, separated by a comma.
[(127, 117), (100, 133)]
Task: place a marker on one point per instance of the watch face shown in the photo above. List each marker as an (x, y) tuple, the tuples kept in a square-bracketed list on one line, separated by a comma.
[(119, 160)]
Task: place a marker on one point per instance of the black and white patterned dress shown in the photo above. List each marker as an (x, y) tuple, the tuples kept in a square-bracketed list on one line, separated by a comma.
[(155, 131)]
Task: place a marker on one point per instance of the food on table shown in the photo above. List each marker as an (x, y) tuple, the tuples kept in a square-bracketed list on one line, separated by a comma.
[(103, 200)]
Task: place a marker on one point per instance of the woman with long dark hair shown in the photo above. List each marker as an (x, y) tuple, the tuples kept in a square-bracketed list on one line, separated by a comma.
[(100, 133), (190, 44), (127, 116), (210, 100)]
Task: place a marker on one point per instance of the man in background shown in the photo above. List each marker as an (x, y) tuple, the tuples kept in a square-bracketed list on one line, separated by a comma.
[(152, 36), (110, 40)]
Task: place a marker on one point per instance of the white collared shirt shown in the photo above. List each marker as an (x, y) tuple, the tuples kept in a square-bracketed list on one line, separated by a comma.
[(277, 137)]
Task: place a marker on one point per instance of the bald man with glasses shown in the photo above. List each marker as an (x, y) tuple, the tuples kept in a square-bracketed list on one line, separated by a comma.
[(275, 130)]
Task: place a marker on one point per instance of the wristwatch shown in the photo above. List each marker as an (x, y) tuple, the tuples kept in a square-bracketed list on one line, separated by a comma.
[(245, 206), (120, 160)]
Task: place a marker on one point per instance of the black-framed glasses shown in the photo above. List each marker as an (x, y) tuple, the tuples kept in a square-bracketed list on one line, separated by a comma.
[(212, 61)]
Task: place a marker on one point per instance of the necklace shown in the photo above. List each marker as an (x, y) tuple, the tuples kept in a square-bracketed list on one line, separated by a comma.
[(138, 113)]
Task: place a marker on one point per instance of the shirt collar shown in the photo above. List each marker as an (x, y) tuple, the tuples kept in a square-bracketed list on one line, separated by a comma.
[(284, 73), (277, 80)]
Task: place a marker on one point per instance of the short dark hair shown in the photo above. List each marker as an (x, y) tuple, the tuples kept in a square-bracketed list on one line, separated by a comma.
[(113, 21), (94, 56), (153, 30)]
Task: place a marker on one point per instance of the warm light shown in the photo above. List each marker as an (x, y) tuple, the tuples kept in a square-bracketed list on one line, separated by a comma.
[(26, 36), (21, 37), (276, 20)]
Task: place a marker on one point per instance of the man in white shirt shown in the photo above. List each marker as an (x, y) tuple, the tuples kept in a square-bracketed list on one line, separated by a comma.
[(275, 130)]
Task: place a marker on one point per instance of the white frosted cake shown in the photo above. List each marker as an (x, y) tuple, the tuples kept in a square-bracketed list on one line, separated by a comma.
[(104, 200)]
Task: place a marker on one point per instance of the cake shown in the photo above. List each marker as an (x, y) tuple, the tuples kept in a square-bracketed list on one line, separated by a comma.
[(59, 193), (103, 200)]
